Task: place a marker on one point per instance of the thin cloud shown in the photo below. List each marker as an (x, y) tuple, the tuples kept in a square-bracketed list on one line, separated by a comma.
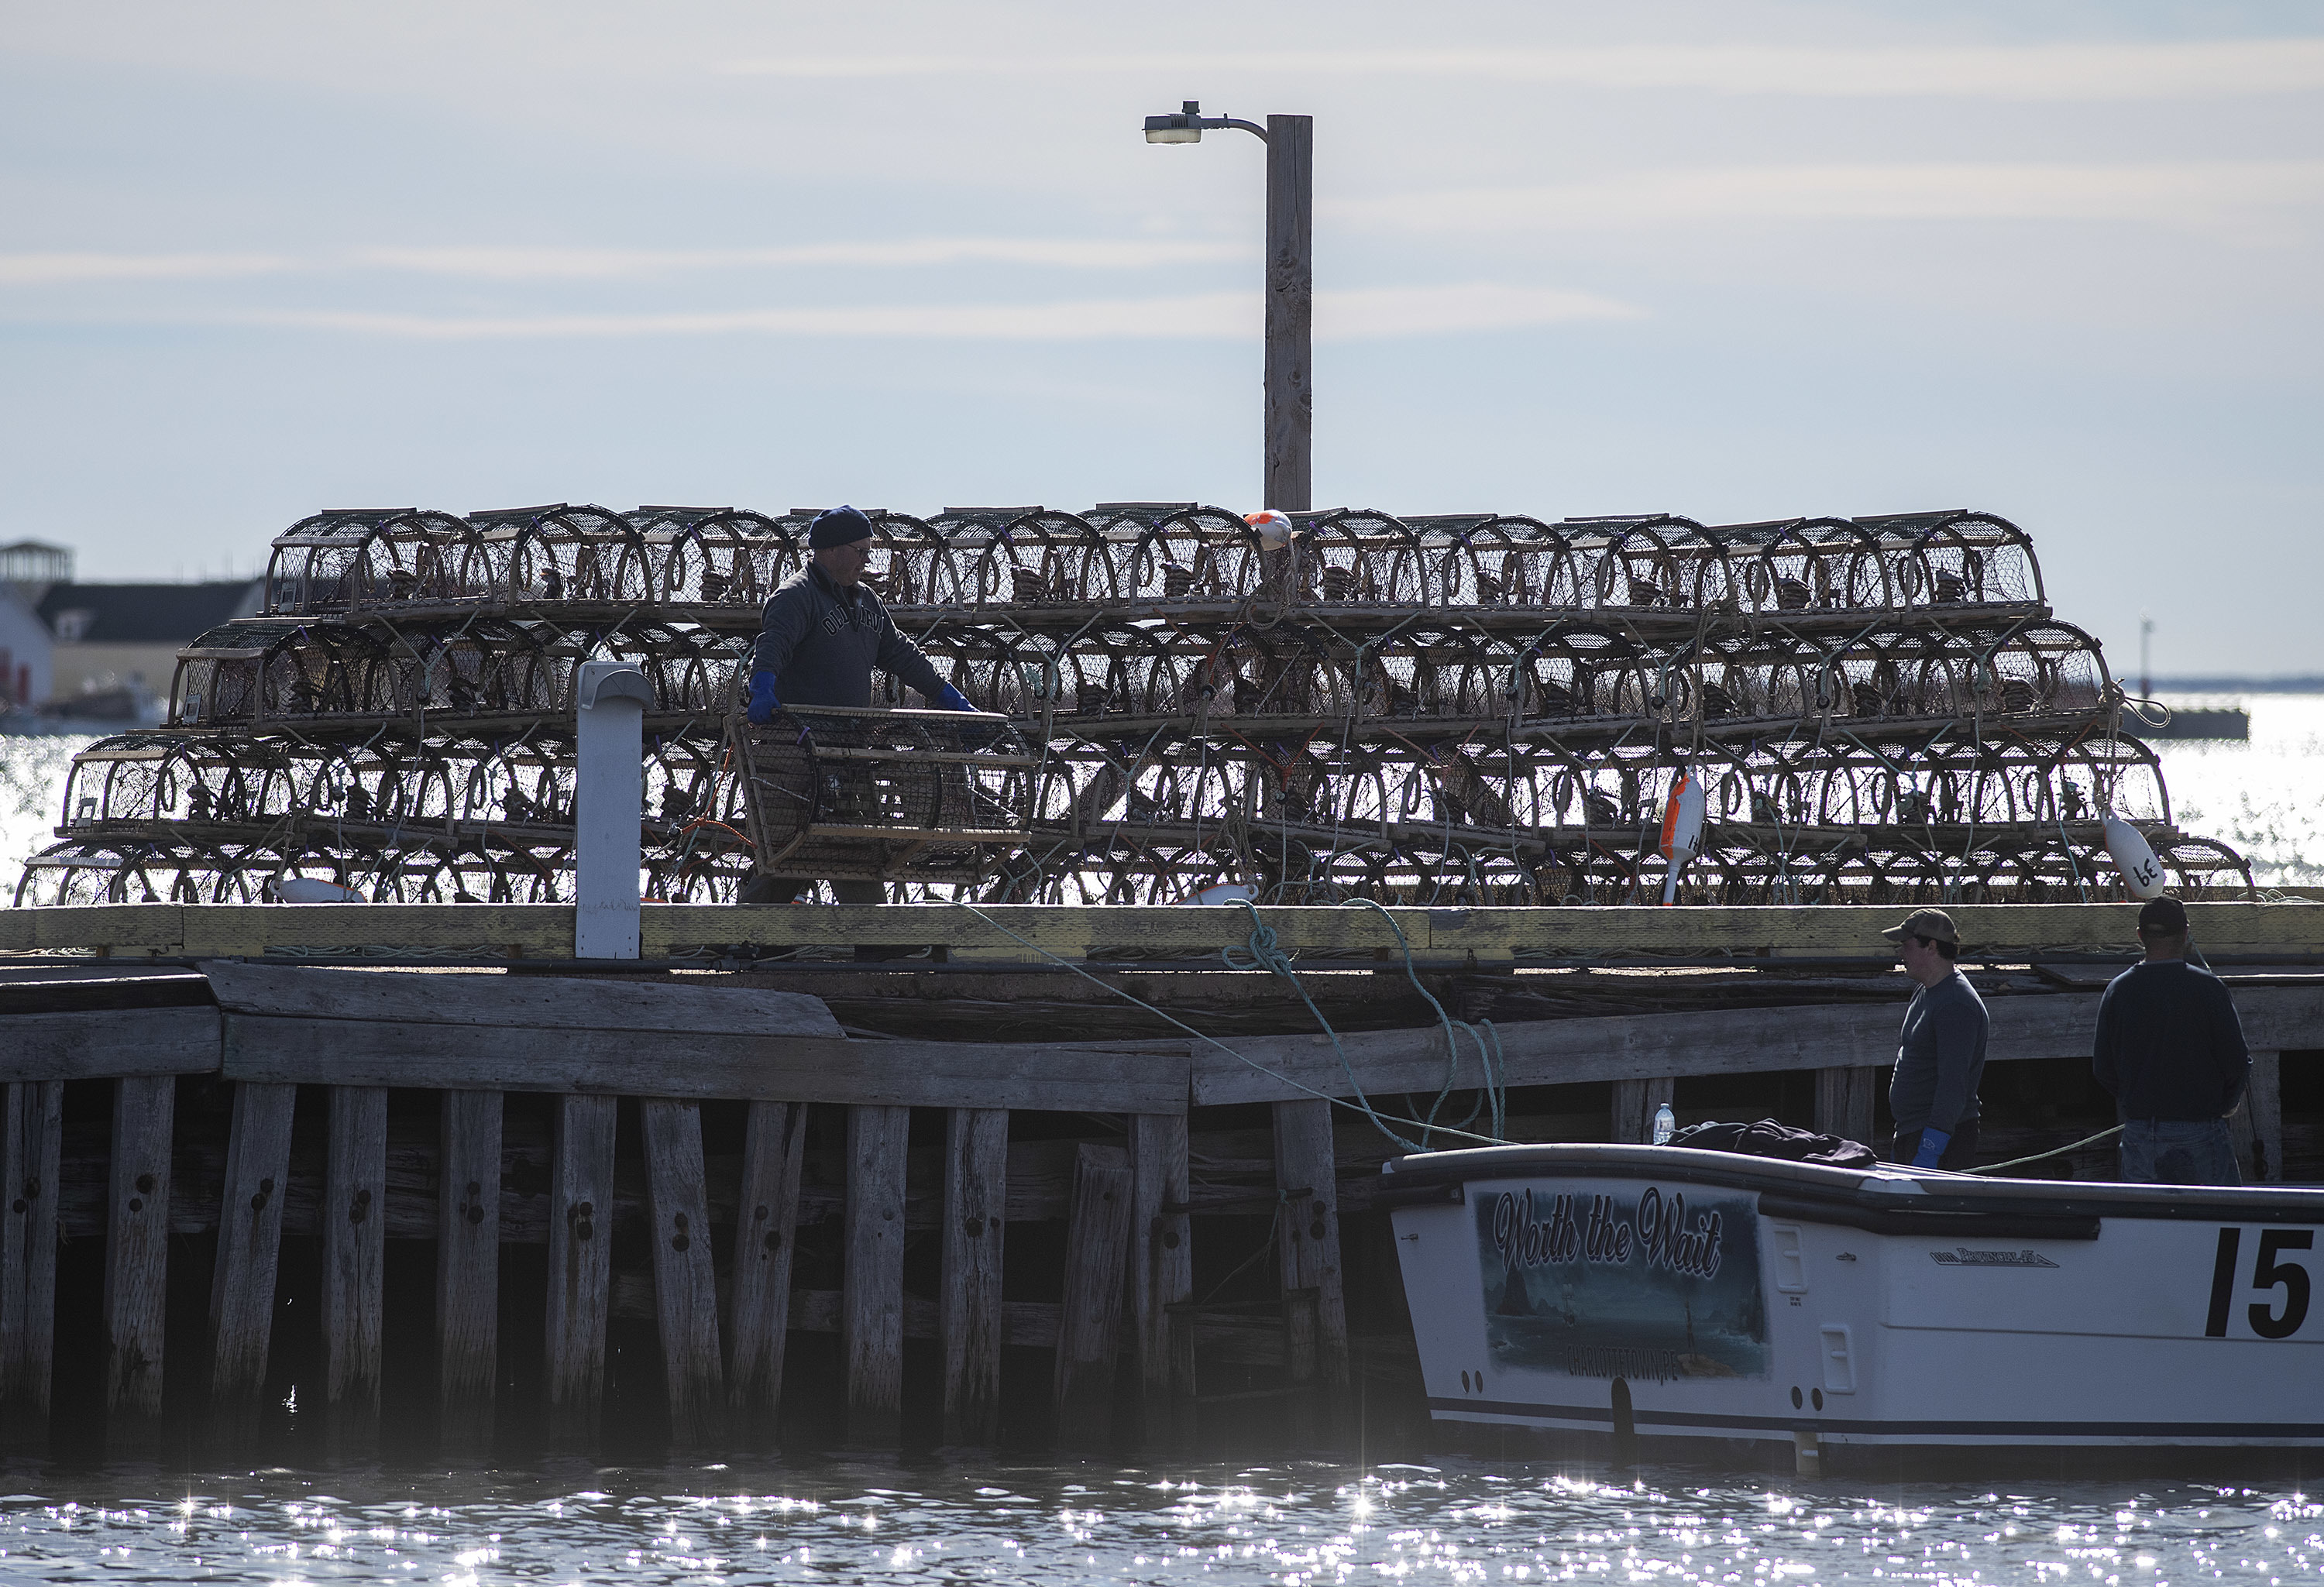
[(486, 261), (2195, 193), (1369, 314), (41, 270), (2202, 69), (523, 263)]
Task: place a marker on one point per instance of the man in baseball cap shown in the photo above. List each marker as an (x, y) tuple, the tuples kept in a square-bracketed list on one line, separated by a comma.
[(2171, 1050), (1940, 1055), (821, 636)]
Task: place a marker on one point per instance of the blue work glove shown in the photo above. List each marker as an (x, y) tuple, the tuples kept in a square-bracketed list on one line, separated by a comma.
[(952, 699), (1933, 1146), (763, 703)]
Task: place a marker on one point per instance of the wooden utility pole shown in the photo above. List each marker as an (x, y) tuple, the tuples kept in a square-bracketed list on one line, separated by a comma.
[(1289, 423), (1290, 306)]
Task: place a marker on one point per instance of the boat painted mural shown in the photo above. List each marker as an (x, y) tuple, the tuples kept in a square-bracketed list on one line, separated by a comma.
[(1616, 1280)]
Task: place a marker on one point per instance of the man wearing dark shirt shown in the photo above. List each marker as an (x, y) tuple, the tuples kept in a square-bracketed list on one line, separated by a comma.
[(1941, 1054), (2171, 1050), (821, 635)]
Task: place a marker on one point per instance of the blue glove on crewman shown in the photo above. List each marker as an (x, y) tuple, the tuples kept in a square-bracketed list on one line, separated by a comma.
[(1933, 1146), (763, 703), (952, 699)]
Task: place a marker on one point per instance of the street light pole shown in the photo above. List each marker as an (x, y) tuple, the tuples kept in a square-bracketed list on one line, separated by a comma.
[(1289, 424)]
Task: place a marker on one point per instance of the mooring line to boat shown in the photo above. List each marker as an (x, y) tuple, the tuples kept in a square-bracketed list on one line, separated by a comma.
[(1261, 953), (2054, 1153), (1378, 1119), (1266, 955)]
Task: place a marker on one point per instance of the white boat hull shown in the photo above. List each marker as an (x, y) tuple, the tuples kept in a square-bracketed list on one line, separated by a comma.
[(1705, 1294)]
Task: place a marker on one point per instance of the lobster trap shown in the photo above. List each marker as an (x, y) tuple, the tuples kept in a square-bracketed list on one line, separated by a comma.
[(882, 794)]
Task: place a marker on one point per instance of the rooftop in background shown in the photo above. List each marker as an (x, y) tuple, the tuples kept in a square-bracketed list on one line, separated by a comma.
[(144, 613), (35, 562), (2285, 684)]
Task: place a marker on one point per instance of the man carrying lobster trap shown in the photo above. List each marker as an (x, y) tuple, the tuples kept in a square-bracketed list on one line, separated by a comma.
[(823, 635)]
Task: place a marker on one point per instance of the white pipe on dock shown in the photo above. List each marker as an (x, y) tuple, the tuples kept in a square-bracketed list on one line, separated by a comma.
[(609, 792)]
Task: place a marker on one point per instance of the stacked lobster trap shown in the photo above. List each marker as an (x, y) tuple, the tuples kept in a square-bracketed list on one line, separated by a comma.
[(1462, 709)]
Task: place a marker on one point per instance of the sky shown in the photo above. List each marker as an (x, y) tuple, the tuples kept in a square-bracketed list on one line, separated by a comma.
[(1740, 260)]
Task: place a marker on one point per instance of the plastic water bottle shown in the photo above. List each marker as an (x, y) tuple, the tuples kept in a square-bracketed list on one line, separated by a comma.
[(1665, 1124)]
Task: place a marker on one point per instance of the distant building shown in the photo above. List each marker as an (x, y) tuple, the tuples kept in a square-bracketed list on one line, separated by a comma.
[(28, 569), (35, 565), (26, 678), (115, 646)]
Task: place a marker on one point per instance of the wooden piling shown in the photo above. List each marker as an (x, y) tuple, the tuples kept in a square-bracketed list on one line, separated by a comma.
[(1306, 1175), (353, 1216), (137, 1251), (467, 1265), (1089, 1315), (1635, 1103), (580, 1265), (30, 1147), (1162, 1275), (250, 1241), (1844, 1103), (686, 1282), (968, 1316), (872, 1286), (766, 1224)]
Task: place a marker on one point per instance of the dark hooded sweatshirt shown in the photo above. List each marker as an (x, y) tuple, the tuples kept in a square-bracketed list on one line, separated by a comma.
[(821, 643)]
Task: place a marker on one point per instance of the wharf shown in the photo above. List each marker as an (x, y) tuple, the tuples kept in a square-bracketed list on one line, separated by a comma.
[(418, 1168)]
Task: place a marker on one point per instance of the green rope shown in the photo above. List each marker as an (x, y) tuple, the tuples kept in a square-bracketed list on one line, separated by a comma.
[(1261, 953), (1199, 1036)]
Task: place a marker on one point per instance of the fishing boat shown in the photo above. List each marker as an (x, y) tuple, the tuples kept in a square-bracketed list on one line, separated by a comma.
[(1664, 1292)]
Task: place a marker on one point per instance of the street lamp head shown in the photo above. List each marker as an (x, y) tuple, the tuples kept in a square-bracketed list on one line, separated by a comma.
[(1184, 127)]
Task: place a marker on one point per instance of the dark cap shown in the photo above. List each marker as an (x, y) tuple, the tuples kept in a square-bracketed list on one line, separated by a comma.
[(837, 526), (1933, 924), (2163, 918)]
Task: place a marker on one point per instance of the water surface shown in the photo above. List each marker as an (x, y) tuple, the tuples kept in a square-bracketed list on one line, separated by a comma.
[(1004, 1521)]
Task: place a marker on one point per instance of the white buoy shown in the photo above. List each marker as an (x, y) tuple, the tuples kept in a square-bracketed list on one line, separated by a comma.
[(1274, 528), (2142, 872), (311, 890), (1682, 830)]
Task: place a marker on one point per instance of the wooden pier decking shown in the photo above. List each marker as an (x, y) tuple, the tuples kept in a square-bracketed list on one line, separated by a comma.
[(216, 1131)]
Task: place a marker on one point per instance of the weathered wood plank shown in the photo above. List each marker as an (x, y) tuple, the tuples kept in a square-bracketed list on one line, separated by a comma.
[(1089, 1320), (766, 1224), (871, 1323), (467, 1267), (250, 1240), (353, 1216), (1129, 1076), (1162, 1275), (535, 1002), (29, 1148), (121, 928), (1635, 1104), (686, 1284), (1555, 1052), (975, 1207), (1307, 1175), (1845, 1099), (106, 1044), (546, 930), (580, 1264), (540, 931), (137, 1251)]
